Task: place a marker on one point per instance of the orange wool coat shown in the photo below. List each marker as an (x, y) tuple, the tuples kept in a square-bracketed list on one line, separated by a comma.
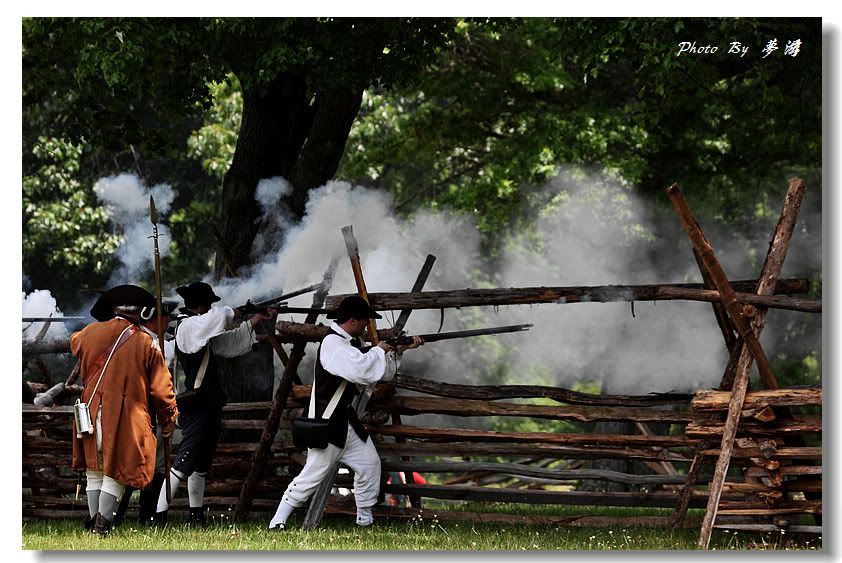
[(136, 380)]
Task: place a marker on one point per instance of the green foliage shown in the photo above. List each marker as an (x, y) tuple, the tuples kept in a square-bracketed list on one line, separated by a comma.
[(64, 230), (512, 101), (214, 143)]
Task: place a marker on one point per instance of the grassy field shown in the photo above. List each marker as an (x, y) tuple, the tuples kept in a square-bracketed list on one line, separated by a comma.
[(340, 533)]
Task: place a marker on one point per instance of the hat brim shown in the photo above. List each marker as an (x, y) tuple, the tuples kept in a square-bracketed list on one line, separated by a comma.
[(188, 293), (131, 295), (372, 314)]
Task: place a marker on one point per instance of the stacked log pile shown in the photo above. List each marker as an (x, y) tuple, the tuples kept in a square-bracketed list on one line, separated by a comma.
[(779, 476)]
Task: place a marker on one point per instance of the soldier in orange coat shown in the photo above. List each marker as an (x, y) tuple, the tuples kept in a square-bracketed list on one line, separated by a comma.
[(124, 375)]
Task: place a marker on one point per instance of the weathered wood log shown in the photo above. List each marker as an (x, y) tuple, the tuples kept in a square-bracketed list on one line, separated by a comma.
[(528, 471), (233, 424), (785, 471), (719, 312), (59, 346), (487, 494), (748, 332), (789, 396), (486, 478), (679, 515), (416, 287), (593, 440), (760, 528), (469, 407), (723, 285), (48, 397), (799, 485), (69, 390), (782, 453), (289, 331), (462, 449), (759, 509), (663, 467), (727, 381), (493, 392), (574, 294), (399, 325), (766, 301), (270, 428), (798, 425), (762, 414), (269, 331)]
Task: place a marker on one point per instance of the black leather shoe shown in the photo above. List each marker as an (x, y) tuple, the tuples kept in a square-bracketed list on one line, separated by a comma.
[(89, 522), (101, 525), (160, 518), (197, 517), (278, 528)]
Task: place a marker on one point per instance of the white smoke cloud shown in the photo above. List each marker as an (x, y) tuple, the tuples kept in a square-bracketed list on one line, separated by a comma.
[(391, 251), (126, 200), (41, 303), (270, 191), (596, 232)]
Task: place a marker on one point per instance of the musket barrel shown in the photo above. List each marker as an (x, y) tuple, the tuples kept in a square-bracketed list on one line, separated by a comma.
[(474, 332), (437, 337), (52, 319)]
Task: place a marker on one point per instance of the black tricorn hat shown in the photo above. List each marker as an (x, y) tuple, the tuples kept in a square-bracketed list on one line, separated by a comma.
[(354, 307), (168, 307), (198, 293), (125, 295)]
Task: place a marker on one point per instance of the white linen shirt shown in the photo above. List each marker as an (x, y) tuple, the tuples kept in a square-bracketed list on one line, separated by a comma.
[(194, 332), (340, 358)]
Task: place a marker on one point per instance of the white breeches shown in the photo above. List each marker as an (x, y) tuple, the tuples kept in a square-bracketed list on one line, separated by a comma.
[(360, 456), (97, 480)]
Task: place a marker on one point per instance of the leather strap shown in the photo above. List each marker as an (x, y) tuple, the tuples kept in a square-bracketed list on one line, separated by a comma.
[(97, 365), (331, 406), (124, 336)]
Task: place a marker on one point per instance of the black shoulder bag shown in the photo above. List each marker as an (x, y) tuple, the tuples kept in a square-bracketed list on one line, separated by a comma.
[(312, 432)]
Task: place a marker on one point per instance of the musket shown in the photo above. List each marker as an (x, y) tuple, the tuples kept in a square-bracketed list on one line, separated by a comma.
[(52, 319), (153, 215), (402, 339), (280, 307), (274, 300)]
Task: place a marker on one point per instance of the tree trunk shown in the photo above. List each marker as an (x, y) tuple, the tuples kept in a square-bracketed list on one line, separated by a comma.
[(334, 112), (281, 134), (270, 138)]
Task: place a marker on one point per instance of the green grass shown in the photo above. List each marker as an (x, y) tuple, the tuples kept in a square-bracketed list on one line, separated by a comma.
[(340, 533)]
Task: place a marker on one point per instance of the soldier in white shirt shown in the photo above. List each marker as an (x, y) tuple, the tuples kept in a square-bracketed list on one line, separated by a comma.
[(200, 338), (339, 359)]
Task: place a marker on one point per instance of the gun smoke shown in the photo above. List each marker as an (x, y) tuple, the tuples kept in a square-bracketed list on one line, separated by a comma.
[(595, 232), (40, 303), (126, 200)]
